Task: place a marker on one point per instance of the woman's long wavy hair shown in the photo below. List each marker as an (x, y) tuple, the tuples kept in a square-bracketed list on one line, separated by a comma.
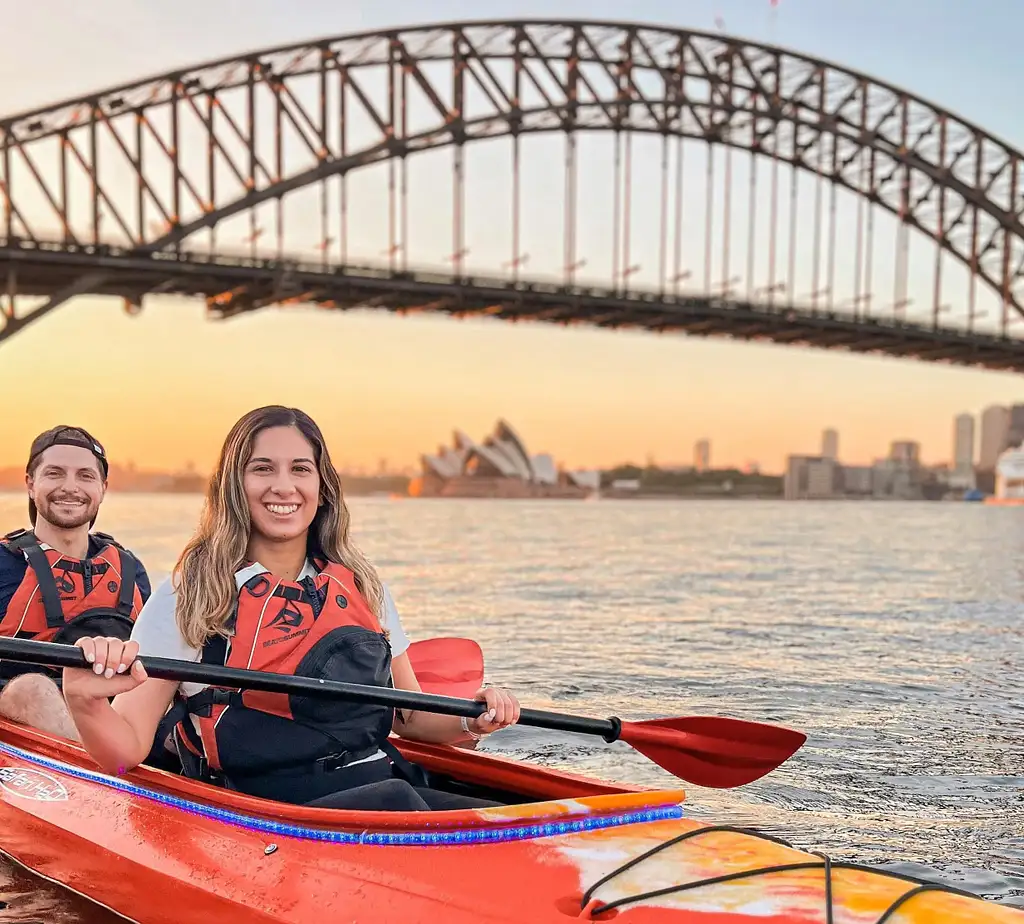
[(204, 576)]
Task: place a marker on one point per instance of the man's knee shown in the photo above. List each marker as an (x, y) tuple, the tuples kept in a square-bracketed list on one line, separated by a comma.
[(26, 692), (35, 700)]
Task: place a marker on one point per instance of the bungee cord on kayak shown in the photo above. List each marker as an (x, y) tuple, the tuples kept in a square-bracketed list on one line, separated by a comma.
[(595, 907)]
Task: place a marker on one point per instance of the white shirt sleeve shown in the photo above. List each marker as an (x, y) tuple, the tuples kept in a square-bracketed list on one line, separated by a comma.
[(156, 629), (392, 622)]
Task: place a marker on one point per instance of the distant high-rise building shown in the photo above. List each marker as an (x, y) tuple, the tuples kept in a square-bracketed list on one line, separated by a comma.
[(702, 455), (962, 476), (963, 444), (1015, 434), (811, 477), (857, 479), (995, 427), (905, 452), (830, 445)]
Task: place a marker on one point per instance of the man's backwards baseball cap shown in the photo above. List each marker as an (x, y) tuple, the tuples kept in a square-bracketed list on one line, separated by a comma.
[(64, 436)]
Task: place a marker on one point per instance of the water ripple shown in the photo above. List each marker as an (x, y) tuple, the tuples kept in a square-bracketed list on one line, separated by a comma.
[(890, 633)]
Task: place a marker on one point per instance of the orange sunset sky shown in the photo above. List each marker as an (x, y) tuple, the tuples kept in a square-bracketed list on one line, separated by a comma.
[(162, 389)]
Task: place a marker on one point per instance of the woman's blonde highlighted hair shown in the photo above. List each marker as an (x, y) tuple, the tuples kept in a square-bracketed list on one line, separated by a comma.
[(204, 576)]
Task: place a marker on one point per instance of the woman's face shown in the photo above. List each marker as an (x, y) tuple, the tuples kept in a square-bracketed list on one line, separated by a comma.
[(282, 484)]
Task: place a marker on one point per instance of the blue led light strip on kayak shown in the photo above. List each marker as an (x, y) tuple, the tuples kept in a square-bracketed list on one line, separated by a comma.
[(495, 835)]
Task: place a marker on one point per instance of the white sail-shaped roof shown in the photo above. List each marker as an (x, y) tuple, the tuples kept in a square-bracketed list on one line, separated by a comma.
[(502, 454), (544, 469), (515, 448), (510, 452), (441, 466), (495, 459), (591, 480)]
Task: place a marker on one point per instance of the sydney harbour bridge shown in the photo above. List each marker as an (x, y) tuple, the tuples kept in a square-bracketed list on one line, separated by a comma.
[(609, 174)]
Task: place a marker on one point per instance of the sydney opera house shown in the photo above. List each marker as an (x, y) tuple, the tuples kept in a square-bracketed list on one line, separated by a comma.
[(499, 466)]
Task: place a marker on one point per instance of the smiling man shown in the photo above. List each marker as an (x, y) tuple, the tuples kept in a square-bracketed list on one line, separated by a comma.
[(59, 581)]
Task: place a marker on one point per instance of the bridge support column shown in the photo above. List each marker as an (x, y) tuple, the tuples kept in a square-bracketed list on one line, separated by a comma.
[(7, 303)]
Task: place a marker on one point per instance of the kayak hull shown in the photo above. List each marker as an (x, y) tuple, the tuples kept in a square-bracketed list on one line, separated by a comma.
[(158, 848)]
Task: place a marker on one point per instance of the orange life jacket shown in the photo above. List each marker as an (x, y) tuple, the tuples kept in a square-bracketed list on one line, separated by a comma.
[(319, 627), (62, 599)]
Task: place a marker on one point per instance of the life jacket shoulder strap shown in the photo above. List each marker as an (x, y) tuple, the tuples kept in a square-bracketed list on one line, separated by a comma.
[(26, 542), (109, 540), (17, 540), (413, 774), (215, 651)]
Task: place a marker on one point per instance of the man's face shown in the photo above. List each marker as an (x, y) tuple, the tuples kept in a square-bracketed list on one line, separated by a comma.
[(67, 486)]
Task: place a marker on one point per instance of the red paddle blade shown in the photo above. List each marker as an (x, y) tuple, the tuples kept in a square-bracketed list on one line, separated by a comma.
[(448, 666), (714, 752)]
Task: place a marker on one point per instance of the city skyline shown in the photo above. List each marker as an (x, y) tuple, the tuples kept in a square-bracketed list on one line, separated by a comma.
[(976, 467), (387, 385), (970, 446)]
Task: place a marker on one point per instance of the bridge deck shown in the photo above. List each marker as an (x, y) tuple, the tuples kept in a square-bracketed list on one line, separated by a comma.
[(233, 286)]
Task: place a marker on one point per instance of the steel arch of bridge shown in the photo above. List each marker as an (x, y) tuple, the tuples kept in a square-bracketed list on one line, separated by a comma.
[(936, 173)]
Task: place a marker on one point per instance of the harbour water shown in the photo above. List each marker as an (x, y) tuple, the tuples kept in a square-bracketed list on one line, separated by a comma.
[(890, 633)]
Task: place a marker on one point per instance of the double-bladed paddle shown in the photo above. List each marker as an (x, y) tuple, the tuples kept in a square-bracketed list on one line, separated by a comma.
[(448, 666), (719, 753)]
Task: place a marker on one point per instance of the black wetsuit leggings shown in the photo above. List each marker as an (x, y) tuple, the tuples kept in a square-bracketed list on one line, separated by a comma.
[(396, 795), (369, 787)]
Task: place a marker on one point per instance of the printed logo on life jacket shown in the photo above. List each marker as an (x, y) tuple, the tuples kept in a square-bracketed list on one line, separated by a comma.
[(287, 619), (64, 584)]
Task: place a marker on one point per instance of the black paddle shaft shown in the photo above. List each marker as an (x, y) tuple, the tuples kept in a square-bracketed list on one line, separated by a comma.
[(53, 655)]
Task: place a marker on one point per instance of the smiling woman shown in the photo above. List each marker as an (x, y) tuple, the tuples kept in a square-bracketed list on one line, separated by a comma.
[(281, 484), (272, 582)]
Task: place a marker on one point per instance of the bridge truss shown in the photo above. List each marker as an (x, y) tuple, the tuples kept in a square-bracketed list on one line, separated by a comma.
[(184, 184)]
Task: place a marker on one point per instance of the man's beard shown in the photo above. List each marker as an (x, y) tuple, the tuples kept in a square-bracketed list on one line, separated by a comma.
[(63, 518)]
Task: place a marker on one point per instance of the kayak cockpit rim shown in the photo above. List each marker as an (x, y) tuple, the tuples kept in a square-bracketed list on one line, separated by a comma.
[(563, 810)]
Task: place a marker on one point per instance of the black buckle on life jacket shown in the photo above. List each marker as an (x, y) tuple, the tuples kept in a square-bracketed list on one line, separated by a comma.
[(219, 697), (334, 762), (202, 703), (213, 777), (194, 766)]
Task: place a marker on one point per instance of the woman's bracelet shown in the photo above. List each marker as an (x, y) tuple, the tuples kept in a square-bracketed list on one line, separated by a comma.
[(476, 736)]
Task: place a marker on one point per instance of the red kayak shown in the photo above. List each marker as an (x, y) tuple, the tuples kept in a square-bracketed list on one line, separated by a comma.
[(161, 849)]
